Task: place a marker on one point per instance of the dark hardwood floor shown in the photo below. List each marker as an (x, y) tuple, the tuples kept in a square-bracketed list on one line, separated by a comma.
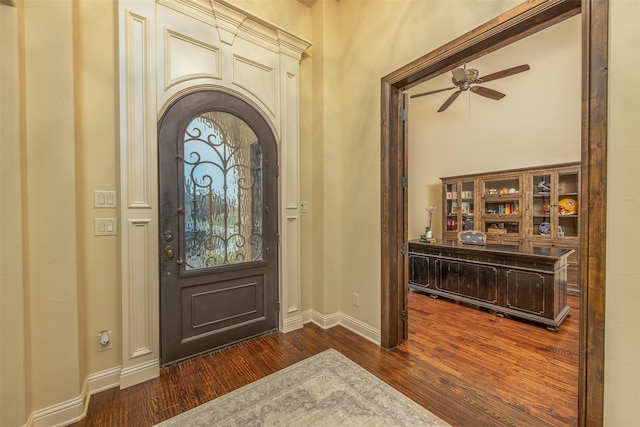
[(465, 365)]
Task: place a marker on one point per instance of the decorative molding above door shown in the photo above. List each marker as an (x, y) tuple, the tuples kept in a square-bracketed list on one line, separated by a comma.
[(169, 48)]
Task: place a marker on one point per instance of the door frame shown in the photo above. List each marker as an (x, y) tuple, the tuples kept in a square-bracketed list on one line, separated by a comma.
[(513, 25)]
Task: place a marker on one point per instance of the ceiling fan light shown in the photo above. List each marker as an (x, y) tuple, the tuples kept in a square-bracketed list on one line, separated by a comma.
[(472, 75), (459, 75)]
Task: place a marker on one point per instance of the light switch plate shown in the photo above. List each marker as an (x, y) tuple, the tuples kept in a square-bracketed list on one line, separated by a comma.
[(105, 199), (106, 227), (305, 206)]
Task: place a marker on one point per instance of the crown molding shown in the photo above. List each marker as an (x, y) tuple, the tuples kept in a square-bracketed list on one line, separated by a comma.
[(232, 21)]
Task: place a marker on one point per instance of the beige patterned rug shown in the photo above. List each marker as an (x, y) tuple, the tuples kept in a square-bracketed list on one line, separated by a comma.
[(324, 390)]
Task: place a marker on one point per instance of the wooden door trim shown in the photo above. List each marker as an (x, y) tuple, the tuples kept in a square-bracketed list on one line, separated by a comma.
[(513, 25)]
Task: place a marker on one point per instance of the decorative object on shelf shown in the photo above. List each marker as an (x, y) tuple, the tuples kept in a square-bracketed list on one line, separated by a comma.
[(545, 228), (428, 233), (472, 237), (494, 229), (544, 187), (567, 207), (424, 239)]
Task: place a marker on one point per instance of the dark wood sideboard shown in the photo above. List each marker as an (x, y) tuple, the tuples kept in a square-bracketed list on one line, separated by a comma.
[(525, 281)]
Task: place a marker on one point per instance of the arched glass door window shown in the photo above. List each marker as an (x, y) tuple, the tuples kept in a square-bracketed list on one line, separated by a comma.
[(223, 200)]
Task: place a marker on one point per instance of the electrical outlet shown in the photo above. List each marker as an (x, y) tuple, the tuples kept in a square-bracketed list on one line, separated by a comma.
[(104, 340), (356, 300)]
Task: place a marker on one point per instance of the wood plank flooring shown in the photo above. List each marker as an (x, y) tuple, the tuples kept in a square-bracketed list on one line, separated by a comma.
[(465, 365)]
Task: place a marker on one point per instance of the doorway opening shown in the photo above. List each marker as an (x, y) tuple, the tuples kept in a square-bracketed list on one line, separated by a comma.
[(514, 25)]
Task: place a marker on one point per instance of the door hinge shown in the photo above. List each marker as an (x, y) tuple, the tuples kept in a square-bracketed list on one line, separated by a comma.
[(403, 249), (278, 239), (404, 315), (404, 182), (404, 115)]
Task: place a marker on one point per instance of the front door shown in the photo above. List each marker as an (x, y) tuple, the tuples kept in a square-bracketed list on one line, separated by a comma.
[(218, 224)]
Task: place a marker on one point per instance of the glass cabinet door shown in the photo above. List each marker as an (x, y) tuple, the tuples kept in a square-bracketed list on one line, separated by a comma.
[(541, 206), (568, 205), (555, 205), (501, 210), (467, 205), (459, 206), (451, 208)]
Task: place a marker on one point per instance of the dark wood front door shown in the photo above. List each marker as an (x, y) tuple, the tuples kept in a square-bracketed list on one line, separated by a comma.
[(218, 224)]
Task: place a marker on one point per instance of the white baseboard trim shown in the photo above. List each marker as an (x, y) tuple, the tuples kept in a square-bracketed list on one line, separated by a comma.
[(63, 413), (139, 373), (75, 409), (361, 328), (354, 325), (104, 380), (292, 323)]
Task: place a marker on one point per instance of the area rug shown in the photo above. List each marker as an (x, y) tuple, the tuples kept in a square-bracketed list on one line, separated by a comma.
[(324, 390)]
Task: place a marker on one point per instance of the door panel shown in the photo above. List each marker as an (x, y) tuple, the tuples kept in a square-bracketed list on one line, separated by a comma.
[(218, 219)]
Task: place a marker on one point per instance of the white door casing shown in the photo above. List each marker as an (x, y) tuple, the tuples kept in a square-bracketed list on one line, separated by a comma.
[(168, 48)]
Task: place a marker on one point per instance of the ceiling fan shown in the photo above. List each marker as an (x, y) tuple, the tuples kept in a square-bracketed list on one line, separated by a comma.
[(467, 79)]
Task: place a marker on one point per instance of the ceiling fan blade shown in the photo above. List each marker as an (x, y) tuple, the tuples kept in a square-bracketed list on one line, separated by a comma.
[(432, 92), (504, 73), (489, 93), (449, 101)]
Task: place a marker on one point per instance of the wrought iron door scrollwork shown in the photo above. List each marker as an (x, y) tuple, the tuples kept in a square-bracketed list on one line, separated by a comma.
[(222, 192)]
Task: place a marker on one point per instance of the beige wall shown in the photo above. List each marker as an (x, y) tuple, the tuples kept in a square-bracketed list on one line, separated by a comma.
[(66, 286), (622, 344), (50, 198), (14, 374), (538, 122), (378, 37), (98, 169)]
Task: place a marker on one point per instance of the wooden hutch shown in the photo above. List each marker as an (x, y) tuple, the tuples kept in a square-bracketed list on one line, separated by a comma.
[(532, 207)]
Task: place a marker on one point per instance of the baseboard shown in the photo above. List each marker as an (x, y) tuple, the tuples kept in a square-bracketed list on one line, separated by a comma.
[(63, 413), (104, 380), (354, 325), (292, 323), (364, 330), (75, 409), (139, 373)]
